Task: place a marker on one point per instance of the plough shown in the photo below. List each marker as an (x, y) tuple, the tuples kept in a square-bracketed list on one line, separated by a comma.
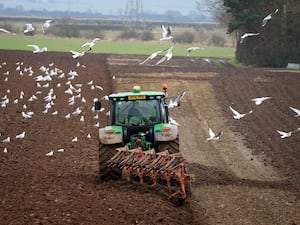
[(157, 166)]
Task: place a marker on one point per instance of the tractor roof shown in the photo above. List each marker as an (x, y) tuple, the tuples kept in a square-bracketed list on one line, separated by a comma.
[(131, 96)]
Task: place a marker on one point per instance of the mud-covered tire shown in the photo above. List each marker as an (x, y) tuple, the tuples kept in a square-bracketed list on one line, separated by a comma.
[(106, 152), (171, 146)]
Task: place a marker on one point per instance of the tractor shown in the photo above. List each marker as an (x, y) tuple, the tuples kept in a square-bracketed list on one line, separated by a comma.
[(141, 141)]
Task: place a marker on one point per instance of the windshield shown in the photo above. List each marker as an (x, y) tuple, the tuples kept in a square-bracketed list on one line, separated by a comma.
[(137, 113)]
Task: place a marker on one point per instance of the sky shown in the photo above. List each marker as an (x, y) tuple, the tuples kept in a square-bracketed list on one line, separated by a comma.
[(114, 7)]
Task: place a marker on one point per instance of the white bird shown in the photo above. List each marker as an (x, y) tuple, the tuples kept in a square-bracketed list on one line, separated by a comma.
[(297, 111), (55, 113), (90, 82), (90, 44), (75, 54), (6, 31), (46, 25), (152, 56), (6, 140), (190, 49), (5, 150), (167, 57), (246, 35), (166, 33), (29, 28), (172, 121), (268, 17), (51, 153), (77, 112), (37, 49), (75, 139), (89, 136), (260, 100), (97, 125), (213, 136), (26, 115), (20, 136), (81, 119), (60, 150), (68, 116), (176, 100), (237, 115), (284, 134)]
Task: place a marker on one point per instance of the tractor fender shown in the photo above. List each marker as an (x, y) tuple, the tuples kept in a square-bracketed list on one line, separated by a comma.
[(165, 132), (110, 135)]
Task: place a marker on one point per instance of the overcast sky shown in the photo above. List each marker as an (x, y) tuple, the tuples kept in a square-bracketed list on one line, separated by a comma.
[(104, 6)]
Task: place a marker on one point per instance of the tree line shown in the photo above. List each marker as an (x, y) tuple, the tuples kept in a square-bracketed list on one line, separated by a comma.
[(278, 42)]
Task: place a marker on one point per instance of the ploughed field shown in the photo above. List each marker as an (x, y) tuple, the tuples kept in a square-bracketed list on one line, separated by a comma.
[(249, 176)]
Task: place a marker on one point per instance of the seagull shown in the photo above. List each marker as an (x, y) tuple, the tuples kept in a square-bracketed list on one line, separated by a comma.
[(247, 35), (213, 136), (6, 140), (89, 136), (29, 28), (77, 112), (75, 54), (46, 25), (284, 134), (297, 111), (152, 56), (51, 153), (260, 100), (60, 150), (26, 115), (190, 49), (167, 57), (6, 31), (20, 136), (176, 101), (68, 116), (90, 44), (166, 33), (5, 150), (37, 49), (238, 115), (75, 139), (268, 17)]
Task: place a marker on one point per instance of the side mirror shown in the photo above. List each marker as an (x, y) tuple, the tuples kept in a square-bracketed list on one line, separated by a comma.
[(97, 105)]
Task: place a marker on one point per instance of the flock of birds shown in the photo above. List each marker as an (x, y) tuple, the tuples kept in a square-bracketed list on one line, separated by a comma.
[(45, 94), (237, 115), (263, 24), (167, 36)]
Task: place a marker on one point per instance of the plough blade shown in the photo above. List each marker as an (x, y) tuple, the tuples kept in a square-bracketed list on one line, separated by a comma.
[(162, 165)]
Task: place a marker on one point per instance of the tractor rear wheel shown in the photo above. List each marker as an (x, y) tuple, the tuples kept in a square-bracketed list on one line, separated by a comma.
[(106, 152), (171, 146)]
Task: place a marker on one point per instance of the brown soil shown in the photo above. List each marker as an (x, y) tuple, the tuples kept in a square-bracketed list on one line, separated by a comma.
[(249, 176)]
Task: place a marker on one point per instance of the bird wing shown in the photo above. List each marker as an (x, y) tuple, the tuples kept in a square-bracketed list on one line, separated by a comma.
[(211, 133), (297, 111), (164, 31), (282, 133), (152, 56), (234, 111), (35, 47)]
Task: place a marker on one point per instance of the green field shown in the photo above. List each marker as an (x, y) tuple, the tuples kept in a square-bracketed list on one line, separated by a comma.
[(114, 47)]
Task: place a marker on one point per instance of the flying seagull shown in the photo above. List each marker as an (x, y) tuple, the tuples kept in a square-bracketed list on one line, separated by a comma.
[(260, 100), (75, 54), (6, 31), (46, 25), (268, 17), (37, 49), (167, 56), (246, 35), (284, 134), (190, 49), (213, 136), (90, 44), (297, 111), (237, 115), (29, 28), (166, 33), (176, 101), (152, 56)]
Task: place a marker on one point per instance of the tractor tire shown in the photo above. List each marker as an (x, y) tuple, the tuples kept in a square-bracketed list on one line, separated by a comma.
[(171, 146), (106, 152)]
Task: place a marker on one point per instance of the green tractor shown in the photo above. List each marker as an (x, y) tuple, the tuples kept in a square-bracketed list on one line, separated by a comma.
[(139, 122)]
